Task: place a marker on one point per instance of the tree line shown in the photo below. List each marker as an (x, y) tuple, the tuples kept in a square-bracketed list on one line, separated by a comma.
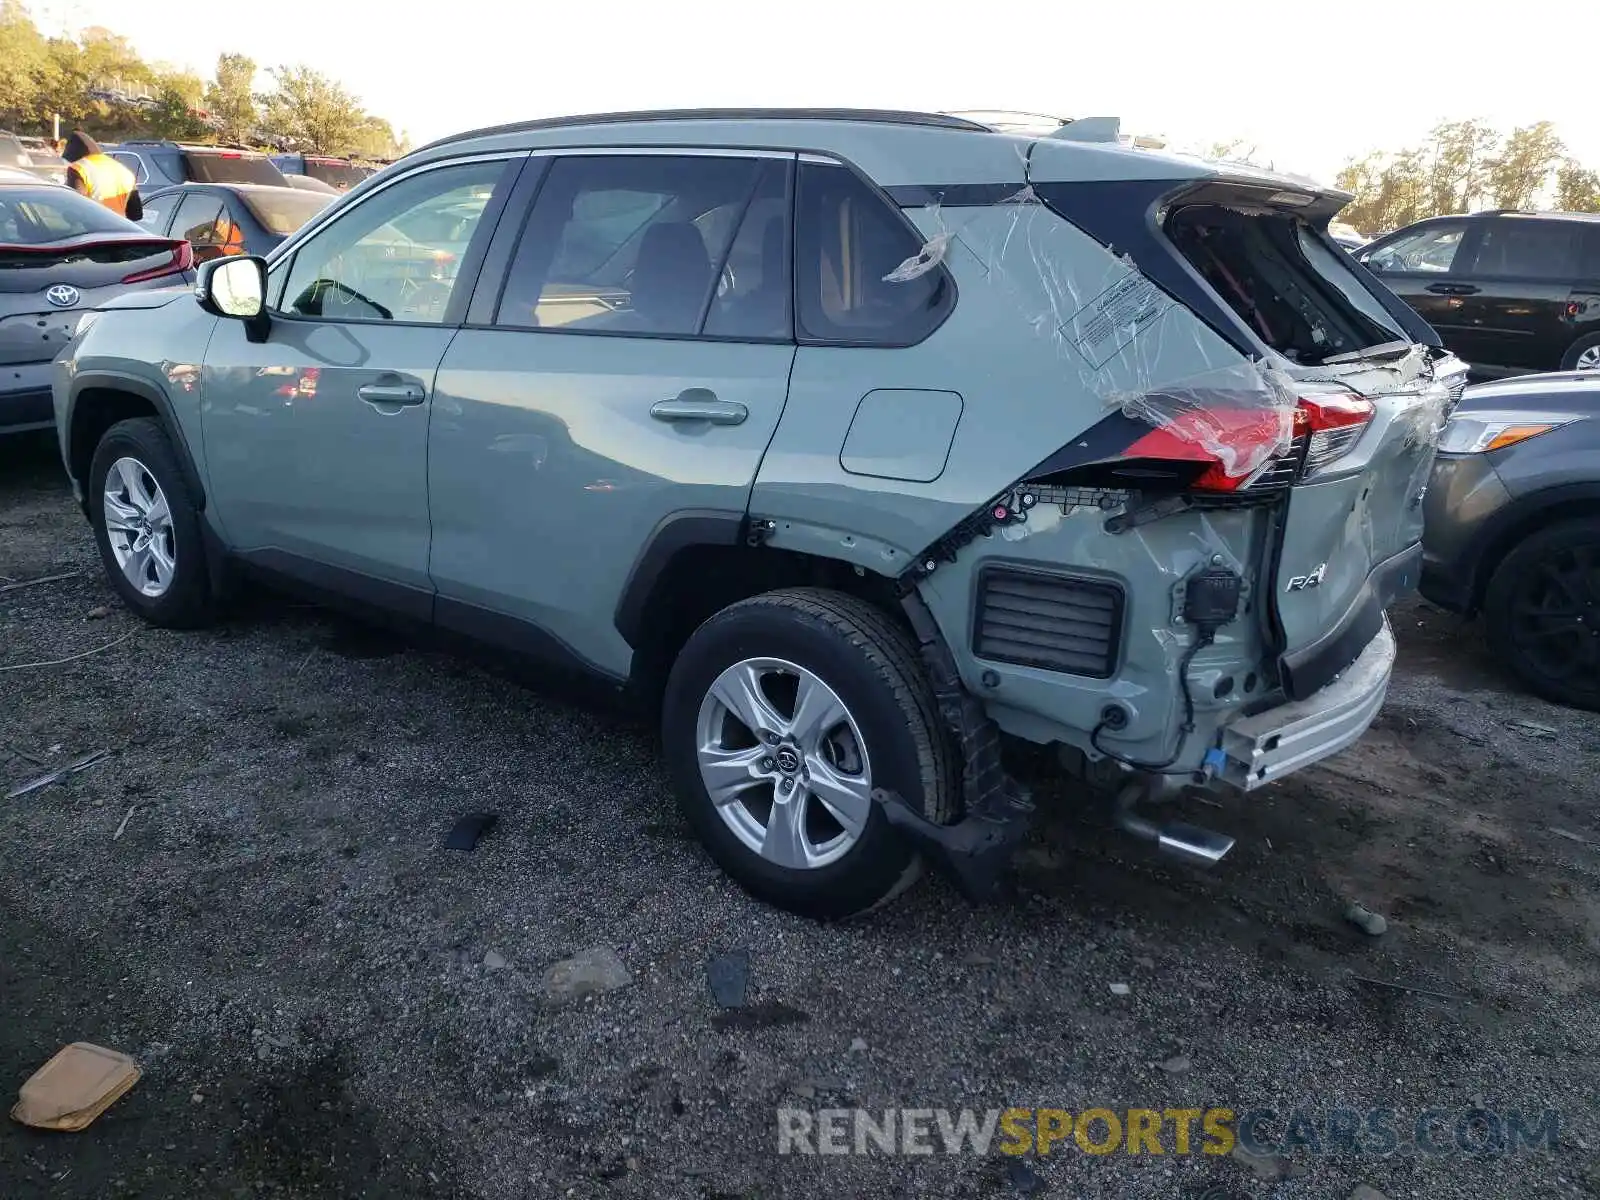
[(97, 82), (1466, 166)]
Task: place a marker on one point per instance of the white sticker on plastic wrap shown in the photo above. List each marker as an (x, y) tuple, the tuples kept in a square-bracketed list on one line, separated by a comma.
[(1108, 323)]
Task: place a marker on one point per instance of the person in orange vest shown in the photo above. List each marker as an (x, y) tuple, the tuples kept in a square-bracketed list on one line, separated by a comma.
[(100, 177)]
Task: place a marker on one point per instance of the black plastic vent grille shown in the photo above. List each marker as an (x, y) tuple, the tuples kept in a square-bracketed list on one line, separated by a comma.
[(1054, 622)]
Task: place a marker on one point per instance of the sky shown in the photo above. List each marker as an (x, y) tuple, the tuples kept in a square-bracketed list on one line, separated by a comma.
[(1308, 85)]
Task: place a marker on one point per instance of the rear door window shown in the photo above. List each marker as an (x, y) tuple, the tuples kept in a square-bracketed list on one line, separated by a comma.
[(134, 163), (755, 289), (1589, 252), (1527, 248), (158, 211), (633, 244), (849, 241), (1429, 251)]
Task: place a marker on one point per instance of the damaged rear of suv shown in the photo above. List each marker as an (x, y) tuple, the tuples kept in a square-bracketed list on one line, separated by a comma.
[(1214, 432), (859, 441)]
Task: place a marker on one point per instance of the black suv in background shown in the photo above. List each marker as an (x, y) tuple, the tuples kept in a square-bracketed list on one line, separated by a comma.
[(1510, 292), (157, 164)]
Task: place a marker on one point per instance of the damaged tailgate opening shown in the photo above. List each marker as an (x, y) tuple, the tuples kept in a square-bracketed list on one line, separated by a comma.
[(1294, 292)]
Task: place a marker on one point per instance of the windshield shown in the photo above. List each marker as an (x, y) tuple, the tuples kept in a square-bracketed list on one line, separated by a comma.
[(203, 166), (39, 216), (283, 210)]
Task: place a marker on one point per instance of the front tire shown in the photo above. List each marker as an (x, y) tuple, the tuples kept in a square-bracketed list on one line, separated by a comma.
[(147, 526), (781, 714), (1542, 612)]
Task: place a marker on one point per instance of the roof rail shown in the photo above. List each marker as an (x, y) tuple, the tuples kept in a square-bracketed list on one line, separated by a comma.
[(1001, 118), (869, 115)]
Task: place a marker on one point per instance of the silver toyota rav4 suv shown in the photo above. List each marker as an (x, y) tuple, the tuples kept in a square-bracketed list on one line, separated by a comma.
[(853, 440)]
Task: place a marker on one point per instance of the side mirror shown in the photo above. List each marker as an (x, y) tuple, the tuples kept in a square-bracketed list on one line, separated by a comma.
[(236, 287)]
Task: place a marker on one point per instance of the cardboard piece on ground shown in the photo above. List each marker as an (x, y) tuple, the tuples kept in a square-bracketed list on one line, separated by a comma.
[(74, 1087)]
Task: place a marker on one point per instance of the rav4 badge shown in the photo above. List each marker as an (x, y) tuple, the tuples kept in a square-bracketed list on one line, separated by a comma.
[(1301, 582)]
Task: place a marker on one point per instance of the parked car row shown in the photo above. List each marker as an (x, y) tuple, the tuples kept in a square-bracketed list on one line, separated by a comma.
[(63, 256)]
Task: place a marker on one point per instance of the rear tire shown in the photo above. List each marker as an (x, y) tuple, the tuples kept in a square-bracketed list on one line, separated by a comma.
[(147, 526), (804, 651), (1542, 612), (1583, 354)]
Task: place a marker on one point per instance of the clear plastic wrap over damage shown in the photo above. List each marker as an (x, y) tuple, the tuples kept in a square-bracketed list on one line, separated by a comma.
[(1118, 335)]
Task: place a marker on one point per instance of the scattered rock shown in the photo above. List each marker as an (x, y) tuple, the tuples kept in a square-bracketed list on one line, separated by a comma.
[(1145, 961), (1178, 1064), (858, 1045), (1363, 1192), (1364, 919), (494, 960), (99, 611), (1268, 1168), (811, 1088), (197, 1098), (1120, 989), (1022, 1177), (586, 974), (728, 976)]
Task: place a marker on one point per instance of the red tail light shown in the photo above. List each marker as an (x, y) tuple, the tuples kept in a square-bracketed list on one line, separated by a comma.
[(1241, 445), (1332, 422), (182, 260), (1234, 443)]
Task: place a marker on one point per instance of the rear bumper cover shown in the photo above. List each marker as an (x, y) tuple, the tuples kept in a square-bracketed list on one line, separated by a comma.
[(1311, 668), (1258, 750)]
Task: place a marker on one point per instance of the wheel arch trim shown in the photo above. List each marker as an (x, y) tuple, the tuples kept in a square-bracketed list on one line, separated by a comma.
[(104, 379), (1501, 531)]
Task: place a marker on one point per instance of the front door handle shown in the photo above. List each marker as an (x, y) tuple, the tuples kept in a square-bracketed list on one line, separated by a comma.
[(392, 393), (1452, 289), (699, 404)]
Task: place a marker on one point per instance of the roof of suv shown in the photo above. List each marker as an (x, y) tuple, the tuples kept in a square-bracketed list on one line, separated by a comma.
[(892, 148), (870, 115), (1524, 214)]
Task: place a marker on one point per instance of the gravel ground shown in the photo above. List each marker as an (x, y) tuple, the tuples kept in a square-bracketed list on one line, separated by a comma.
[(281, 941)]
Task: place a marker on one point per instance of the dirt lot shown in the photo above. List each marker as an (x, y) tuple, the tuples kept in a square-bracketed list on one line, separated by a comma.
[(279, 938)]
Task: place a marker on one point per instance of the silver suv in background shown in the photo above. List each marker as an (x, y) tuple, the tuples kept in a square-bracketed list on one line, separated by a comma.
[(851, 440)]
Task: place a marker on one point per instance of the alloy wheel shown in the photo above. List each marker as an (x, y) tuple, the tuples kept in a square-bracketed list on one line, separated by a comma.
[(784, 763), (1589, 359), (1555, 614), (139, 527)]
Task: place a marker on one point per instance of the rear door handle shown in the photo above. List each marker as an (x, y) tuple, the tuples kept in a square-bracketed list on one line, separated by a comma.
[(392, 393), (699, 404)]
